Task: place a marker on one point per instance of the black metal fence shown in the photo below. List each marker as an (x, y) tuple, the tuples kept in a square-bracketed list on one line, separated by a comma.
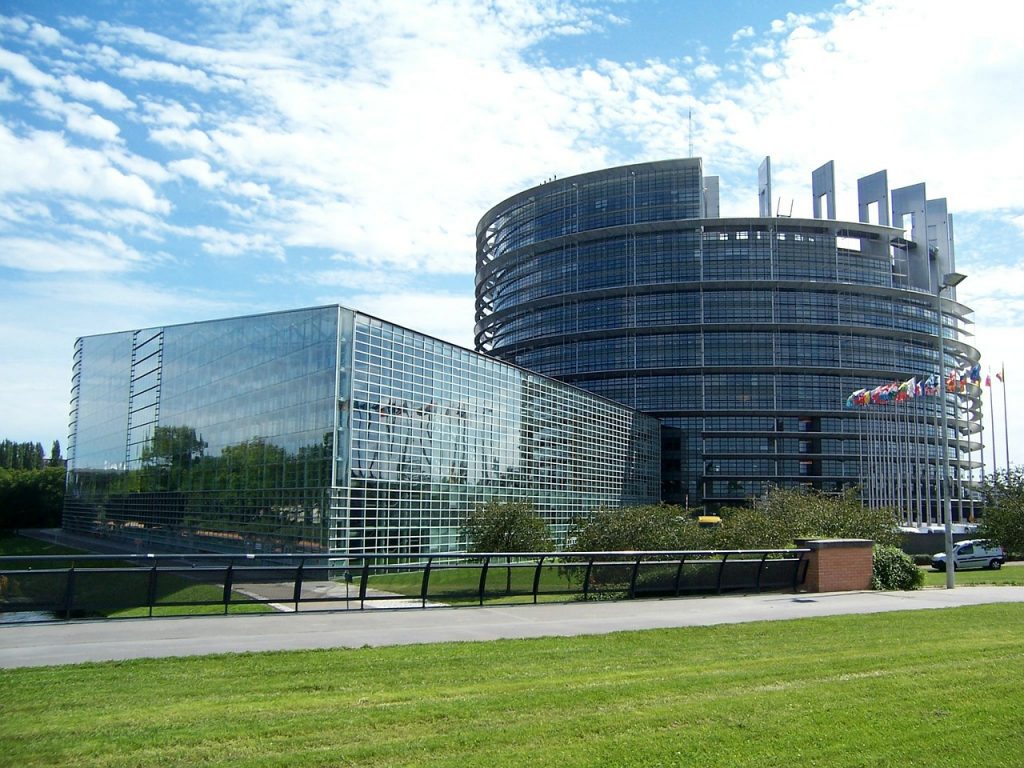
[(61, 587)]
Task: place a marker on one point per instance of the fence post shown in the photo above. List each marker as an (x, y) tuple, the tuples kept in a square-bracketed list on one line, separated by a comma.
[(679, 573), (760, 570), (297, 592), (362, 583), (69, 594), (151, 590), (721, 571), (632, 579), (586, 577), (536, 578), (483, 579), (229, 579), (426, 581)]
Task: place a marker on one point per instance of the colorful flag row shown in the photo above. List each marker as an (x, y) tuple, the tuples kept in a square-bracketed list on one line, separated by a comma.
[(901, 391), (958, 379)]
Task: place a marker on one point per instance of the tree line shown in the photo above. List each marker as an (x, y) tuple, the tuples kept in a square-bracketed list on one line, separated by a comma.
[(28, 455), (31, 485)]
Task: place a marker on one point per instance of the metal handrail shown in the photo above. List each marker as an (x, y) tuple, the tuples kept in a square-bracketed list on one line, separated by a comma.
[(589, 574)]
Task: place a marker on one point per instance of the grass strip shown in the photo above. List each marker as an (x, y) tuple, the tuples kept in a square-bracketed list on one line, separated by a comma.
[(1010, 576), (906, 689)]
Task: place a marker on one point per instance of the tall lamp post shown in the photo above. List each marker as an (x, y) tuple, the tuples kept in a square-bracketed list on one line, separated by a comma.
[(949, 280)]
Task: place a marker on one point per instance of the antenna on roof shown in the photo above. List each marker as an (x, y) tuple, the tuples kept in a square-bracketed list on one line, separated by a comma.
[(689, 131)]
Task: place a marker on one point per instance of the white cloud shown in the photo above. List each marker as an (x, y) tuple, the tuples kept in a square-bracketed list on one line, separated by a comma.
[(43, 162), (198, 171), (169, 113), (45, 35), (22, 69), (100, 93), (137, 222), (142, 69), (706, 71), (86, 252), (176, 137), (21, 211), (221, 242), (77, 117), (447, 317)]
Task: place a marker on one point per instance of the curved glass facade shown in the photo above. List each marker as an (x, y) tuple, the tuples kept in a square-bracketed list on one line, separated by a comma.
[(744, 336), (326, 430)]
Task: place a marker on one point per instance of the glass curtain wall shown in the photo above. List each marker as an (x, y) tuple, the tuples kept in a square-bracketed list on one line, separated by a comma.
[(324, 430), (437, 429), (207, 436)]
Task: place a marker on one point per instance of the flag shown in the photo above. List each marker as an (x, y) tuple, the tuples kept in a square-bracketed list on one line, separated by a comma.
[(976, 373), (988, 382), (1001, 375)]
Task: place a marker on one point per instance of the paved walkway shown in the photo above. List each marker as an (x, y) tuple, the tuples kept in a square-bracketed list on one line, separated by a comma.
[(26, 645)]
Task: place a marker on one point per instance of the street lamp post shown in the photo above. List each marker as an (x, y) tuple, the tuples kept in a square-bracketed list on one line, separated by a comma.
[(948, 281)]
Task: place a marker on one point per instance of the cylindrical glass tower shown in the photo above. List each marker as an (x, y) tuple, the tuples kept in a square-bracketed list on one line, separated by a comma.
[(745, 336)]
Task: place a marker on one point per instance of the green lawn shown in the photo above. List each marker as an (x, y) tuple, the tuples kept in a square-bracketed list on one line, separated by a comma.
[(172, 588), (1013, 575), (875, 690)]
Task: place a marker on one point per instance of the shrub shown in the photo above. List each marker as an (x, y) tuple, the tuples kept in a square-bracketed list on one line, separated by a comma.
[(784, 515), (894, 569)]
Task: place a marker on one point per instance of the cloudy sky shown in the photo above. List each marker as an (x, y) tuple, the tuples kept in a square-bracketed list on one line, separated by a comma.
[(178, 160)]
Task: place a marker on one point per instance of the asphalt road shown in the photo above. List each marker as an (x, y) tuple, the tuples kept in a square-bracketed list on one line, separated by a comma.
[(28, 645)]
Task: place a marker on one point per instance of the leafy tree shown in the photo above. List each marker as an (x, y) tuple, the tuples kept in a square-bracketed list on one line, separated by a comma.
[(785, 515), (645, 527), (55, 457), (31, 498), (1003, 521), (506, 526)]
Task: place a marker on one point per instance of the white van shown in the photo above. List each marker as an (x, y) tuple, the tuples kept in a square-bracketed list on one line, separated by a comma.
[(975, 553)]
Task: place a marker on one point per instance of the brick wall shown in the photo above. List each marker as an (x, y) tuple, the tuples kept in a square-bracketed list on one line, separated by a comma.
[(837, 565)]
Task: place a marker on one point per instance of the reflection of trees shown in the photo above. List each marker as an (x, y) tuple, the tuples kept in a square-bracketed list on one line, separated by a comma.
[(254, 493), (173, 447)]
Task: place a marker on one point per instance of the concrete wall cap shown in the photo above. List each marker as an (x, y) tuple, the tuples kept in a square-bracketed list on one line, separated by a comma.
[(833, 543)]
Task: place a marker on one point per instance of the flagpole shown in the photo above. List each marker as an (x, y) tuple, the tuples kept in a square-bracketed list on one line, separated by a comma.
[(923, 454), (1006, 422), (860, 454), (981, 411), (992, 420)]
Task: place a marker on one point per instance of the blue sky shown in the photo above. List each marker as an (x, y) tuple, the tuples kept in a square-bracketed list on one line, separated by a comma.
[(163, 162)]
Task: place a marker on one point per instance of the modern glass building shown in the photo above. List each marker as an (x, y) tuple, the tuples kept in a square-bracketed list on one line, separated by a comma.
[(326, 430), (745, 336)]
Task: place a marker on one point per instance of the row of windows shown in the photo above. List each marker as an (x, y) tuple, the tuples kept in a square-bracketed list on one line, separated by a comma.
[(613, 264), (596, 202), (716, 306), (723, 348)]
